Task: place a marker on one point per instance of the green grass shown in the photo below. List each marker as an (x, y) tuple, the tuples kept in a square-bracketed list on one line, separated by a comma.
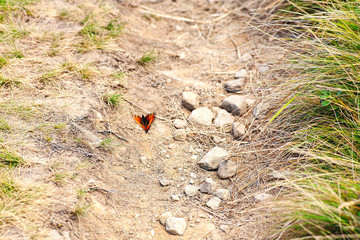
[(323, 114), (4, 126), (5, 82), (3, 62), (147, 58), (10, 159), (112, 99)]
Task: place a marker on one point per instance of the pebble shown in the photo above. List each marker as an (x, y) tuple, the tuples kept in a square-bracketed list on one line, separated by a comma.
[(245, 58), (241, 74), (262, 197), (191, 190), (234, 85), (276, 175), (172, 146), (176, 226), (218, 139), (192, 181), (143, 159), (165, 182), (179, 135), (190, 100), (179, 123), (175, 197), (223, 194), (227, 169), (201, 117), (213, 203), (224, 228), (211, 160), (163, 217), (182, 179), (238, 130), (263, 70), (224, 120), (208, 186), (235, 104), (194, 157), (193, 175), (97, 117)]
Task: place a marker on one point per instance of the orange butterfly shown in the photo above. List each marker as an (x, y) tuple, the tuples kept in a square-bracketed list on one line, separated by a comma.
[(145, 121)]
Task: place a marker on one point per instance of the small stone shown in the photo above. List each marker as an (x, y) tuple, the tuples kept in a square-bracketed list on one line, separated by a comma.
[(227, 169), (223, 194), (192, 181), (238, 130), (179, 135), (235, 104), (213, 203), (172, 146), (191, 190), (191, 149), (194, 157), (175, 197), (241, 74), (53, 234), (97, 117), (179, 123), (263, 69), (208, 186), (224, 120), (234, 85), (262, 197), (245, 58), (224, 228), (211, 160), (276, 175), (190, 100), (175, 225), (163, 217), (163, 152), (167, 156), (182, 179), (66, 235), (165, 182), (218, 139), (201, 117), (193, 175), (143, 159)]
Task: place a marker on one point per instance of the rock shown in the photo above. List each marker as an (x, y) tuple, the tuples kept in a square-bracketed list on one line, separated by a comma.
[(227, 169), (179, 123), (234, 85), (96, 117), (143, 159), (246, 57), (218, 139), (263, 69), (211, 160), (262, 197), (193, 175), (241, 74), (223, 194), (191, 181), (208, 186), (190, 100), (276, 175), (165, 182), (224, 228), (175, 225), (238, 130), (179, 135), (53, 234), (224, 120), (235, 104), (213, 203), (175, 197), (163, 217), (172, 146), (66, 235), (201, 117), (191, 190)]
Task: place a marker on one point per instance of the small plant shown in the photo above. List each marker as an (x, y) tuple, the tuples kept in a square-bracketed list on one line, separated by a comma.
[(107, 143), (5, 82), (119, 75), (151, 16), (10, 159), (115, 29), (112, 99), (80, 209), (3, 62), (4, 126), (147, 58)]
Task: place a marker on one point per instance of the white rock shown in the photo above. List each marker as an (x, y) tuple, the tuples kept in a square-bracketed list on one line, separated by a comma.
[(175, 197), (179, 123), (172, 146), (211, 160), (276, 175), (234, 85), (208, 186), (246, 57), (223, 194), (201, 117), (213, 203), (227, 169), (238, 130), (193, 175), (262, 70), (224, 228), (262, 197), (235, 104), (191, 181), (190, 100), (191, 190), (194, 157), (176, 226), (165, 182), (218, 139), (97, 117), (241, 74), (224, 120), (66, 235), (53, 234), (163, 217), (179, 135), (143, 159)]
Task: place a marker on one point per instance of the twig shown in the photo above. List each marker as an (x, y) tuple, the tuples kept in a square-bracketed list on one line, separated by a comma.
[(236, 47), (116, 135)]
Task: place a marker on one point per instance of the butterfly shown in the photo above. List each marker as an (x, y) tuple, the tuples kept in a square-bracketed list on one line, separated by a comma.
[(145, 121)]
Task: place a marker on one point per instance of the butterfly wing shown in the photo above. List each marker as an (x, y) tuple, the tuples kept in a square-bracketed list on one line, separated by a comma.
[(149, 120), (138, 119)]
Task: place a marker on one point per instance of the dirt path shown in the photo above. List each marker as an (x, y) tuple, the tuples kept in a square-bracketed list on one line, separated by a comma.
[(113, 191)]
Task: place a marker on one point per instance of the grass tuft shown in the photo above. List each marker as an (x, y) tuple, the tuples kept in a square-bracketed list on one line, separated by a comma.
[(112, 99), (147, 58), (10, 159)]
